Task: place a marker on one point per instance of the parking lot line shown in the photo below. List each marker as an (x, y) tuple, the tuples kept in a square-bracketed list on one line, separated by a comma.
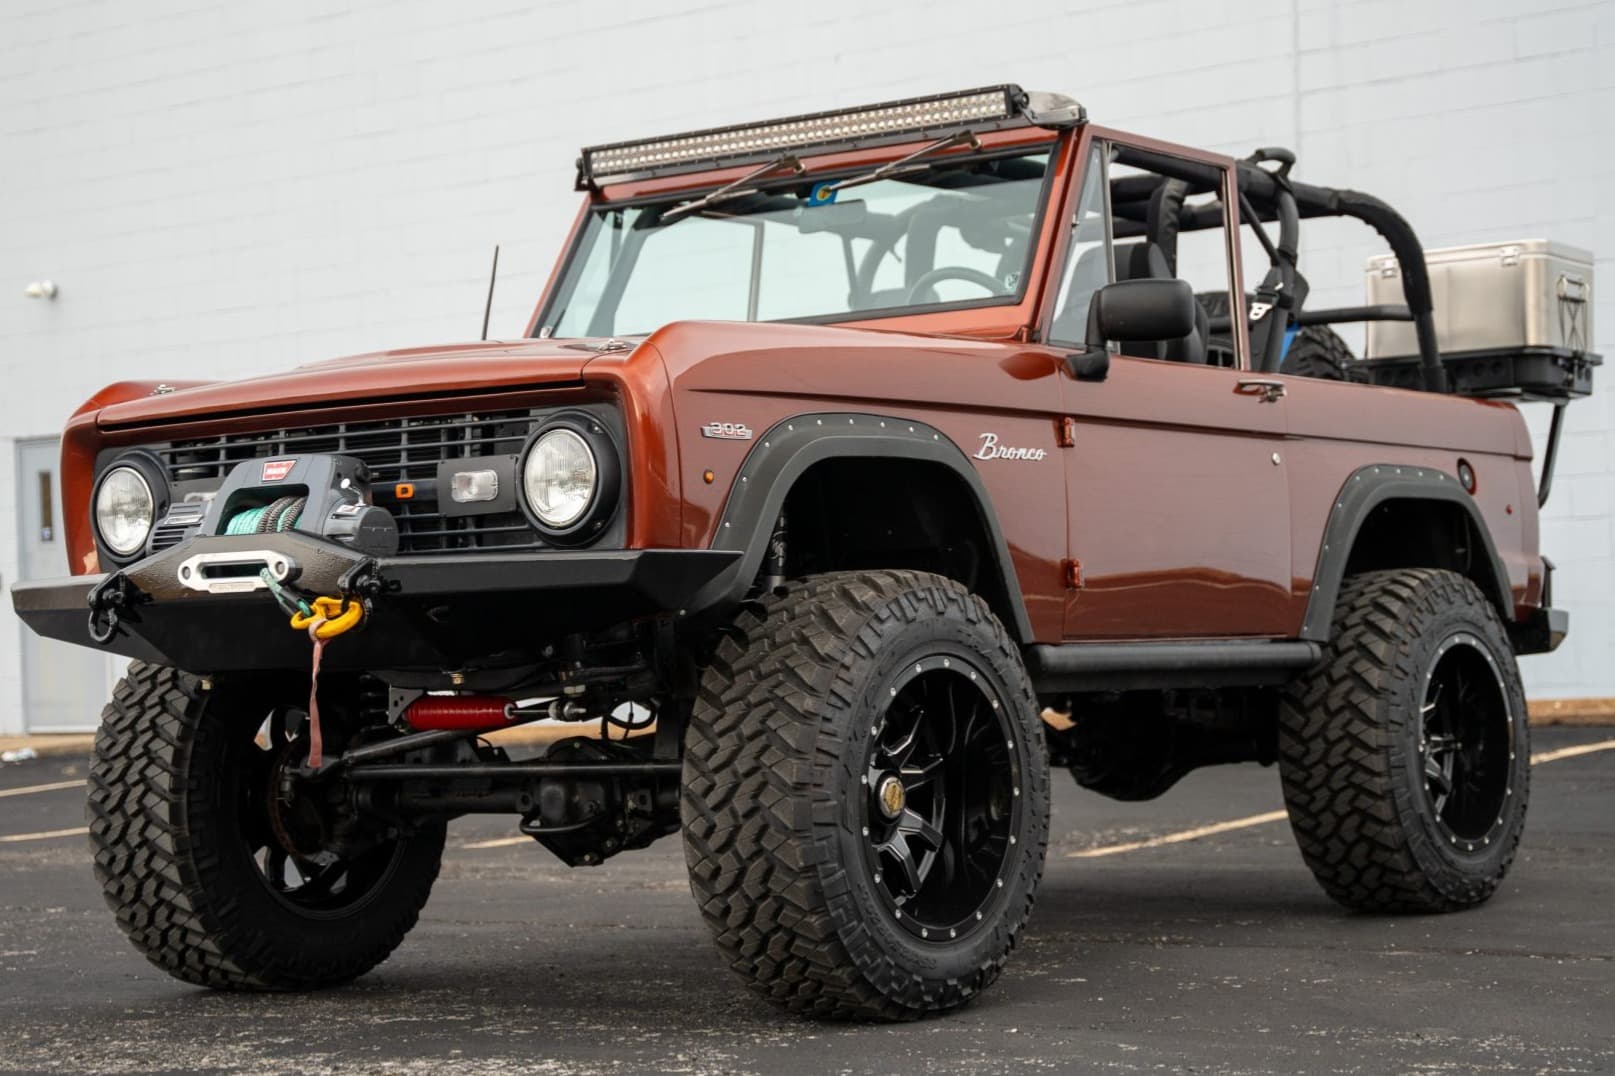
[(54, 786), (1571, 752), (17, 838), (1537, 759), (1179, 837)]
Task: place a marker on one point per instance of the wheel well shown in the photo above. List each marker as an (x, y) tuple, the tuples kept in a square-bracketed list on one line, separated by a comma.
[(1414, 533), (852, 513)]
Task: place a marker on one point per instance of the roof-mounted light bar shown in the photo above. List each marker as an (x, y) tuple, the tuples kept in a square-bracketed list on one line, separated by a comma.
[(989, 108)]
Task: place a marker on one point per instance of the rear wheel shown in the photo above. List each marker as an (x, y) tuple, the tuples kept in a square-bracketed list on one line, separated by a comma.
[(1405, 754), (222, 872), (866, 795)]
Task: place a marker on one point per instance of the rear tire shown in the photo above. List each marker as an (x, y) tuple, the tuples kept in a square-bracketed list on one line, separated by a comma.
[(848, 860), (1318, 351), (1405, 754), (193, 866)]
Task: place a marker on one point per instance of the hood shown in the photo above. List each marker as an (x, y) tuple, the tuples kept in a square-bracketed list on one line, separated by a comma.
[(380, 375)]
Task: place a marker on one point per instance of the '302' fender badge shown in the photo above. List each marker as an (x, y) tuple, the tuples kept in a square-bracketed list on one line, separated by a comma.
[(727, 431)]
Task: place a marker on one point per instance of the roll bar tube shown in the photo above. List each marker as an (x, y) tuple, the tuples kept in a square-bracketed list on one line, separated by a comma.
[(1262, 186)]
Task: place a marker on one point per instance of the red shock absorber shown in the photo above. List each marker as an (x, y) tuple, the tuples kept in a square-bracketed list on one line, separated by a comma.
[(458, 712)]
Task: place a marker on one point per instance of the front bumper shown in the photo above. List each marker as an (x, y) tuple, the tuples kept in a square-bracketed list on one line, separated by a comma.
[(427, 612)]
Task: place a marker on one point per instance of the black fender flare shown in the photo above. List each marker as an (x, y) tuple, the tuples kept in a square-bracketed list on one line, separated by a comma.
[(791, 446), (1363, 491)]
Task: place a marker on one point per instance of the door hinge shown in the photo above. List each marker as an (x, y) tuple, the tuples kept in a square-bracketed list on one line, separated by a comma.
[(1071, 573), (1065, 432)]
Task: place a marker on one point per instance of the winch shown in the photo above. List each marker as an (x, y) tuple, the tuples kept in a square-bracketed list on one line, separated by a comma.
[(326, 495)]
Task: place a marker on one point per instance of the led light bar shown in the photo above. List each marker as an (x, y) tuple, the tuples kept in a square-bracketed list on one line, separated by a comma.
[(989, 108)]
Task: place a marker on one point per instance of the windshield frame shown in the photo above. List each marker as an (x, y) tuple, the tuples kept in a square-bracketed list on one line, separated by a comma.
[(1056, 145)]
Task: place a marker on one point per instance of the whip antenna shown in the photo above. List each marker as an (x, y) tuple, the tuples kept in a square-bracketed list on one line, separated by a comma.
[(493, 275)]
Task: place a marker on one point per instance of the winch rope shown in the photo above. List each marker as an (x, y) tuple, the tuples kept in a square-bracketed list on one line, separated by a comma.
[(279, 515), (245, 522), (284, 597)]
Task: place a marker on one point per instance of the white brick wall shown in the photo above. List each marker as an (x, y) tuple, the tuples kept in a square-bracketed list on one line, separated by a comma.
[(229, 189)]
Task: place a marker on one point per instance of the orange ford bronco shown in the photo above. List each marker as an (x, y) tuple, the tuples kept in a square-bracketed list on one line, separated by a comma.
[(839, 448)]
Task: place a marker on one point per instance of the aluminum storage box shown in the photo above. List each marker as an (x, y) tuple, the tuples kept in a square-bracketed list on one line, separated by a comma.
[(1522, 293)]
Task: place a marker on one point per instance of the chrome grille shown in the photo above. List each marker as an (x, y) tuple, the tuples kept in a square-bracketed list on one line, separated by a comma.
[(395, 450)]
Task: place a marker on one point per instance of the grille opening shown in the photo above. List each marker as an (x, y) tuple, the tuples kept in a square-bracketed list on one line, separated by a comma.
[(395, 450)]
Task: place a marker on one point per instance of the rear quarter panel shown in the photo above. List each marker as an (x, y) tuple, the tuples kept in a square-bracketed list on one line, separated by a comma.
[(1337, 428)]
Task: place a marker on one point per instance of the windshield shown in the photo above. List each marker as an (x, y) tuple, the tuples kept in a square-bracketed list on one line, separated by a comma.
[(947, 234)]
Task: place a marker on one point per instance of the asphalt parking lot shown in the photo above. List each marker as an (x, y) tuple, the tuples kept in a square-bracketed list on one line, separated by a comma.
[(1210, 952)]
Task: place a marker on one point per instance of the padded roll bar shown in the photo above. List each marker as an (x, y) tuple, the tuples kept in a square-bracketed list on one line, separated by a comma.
[(1310, 201)]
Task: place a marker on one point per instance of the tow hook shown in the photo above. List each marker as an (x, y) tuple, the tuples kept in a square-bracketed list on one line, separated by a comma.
[(107, 601)]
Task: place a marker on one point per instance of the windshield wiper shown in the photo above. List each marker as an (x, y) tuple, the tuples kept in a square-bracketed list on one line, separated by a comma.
[(905, 165), (737, 189)]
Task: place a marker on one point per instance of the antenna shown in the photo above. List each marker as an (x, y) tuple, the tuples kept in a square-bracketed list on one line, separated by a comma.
[(493, 275)]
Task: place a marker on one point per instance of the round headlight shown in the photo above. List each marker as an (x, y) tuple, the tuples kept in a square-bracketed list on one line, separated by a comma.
[(124, 508), (561, 477)]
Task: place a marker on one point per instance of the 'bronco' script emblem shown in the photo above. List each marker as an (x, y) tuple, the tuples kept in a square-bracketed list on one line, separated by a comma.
[(991, 450)]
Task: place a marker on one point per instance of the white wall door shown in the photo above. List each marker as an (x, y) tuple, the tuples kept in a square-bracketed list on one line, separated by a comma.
[(64, 687)]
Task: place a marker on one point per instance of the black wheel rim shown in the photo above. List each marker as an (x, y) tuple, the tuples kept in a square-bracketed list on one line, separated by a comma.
[(288, 831), (1466, 743), (941, 797)]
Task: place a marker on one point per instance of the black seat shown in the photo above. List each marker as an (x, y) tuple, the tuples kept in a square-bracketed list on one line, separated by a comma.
[(1143, 260)]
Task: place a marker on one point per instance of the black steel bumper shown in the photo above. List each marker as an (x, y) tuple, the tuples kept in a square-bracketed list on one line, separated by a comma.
[(440, 611)]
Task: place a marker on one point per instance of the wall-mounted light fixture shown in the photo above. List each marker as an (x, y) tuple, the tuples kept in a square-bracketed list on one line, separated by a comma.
[(41, 289)]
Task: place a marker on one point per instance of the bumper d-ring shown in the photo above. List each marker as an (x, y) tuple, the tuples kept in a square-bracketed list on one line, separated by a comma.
[(107, 599)]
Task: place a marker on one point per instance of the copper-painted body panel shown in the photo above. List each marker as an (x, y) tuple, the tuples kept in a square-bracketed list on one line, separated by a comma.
[(1193, 507), (1171, 477)]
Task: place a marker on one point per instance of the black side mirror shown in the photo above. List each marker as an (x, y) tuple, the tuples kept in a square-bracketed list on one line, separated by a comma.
[(1151, 309), (1090, 365)]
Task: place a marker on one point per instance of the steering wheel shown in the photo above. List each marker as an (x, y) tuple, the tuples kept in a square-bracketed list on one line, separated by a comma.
[(951, 272)]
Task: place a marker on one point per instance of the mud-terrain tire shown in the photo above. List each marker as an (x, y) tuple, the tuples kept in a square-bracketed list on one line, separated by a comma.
[(1318, 351), (823, 693), (170, 841), (1418, 692)]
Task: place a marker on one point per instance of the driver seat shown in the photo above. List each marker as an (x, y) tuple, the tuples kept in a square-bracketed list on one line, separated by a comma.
[(1143, 260)]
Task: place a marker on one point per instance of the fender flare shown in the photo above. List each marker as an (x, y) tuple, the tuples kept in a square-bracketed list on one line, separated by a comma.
[(791, 446), (1363, 491)]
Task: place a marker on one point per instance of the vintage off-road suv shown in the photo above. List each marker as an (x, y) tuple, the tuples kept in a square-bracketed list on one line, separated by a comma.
[(857, 469)]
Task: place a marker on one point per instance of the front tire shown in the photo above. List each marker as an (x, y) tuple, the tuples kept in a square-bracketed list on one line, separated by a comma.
[(1405, 754), (213, 877), (866, 795)]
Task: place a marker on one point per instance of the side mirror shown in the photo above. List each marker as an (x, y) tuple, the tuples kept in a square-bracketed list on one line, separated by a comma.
[(1141, 310)]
